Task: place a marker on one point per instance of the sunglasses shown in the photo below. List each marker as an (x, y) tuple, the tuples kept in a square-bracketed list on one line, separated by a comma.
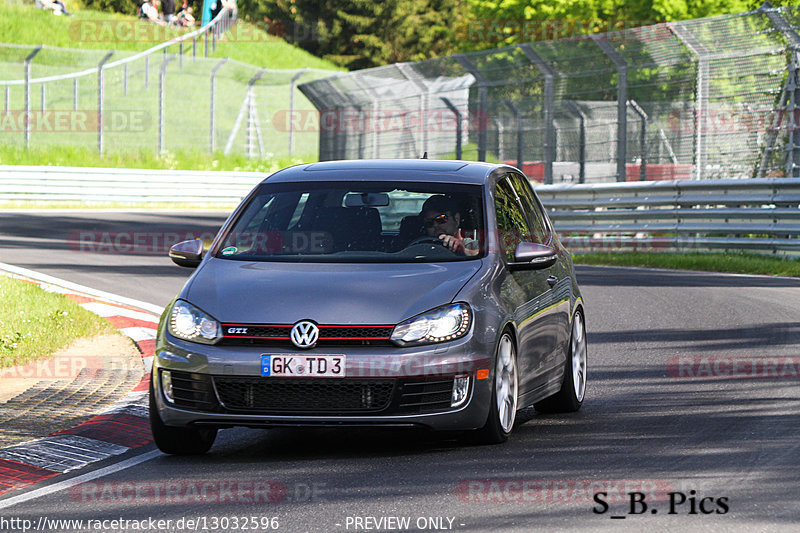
[(441, 219)]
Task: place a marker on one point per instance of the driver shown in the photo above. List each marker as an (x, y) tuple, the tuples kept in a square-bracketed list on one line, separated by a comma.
[(441, 219)]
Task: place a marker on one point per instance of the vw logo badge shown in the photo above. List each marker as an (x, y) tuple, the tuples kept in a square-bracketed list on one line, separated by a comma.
[(304, 334)]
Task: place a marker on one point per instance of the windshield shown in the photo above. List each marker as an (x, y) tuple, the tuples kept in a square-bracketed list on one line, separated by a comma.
[(358, 222)]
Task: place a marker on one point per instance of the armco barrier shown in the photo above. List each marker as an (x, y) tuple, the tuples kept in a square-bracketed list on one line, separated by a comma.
[(77, 184), (757, 215)]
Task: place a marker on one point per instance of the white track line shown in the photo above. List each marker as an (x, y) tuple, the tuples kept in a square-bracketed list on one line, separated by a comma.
[(111, 469), (67, 483), (81, 288)]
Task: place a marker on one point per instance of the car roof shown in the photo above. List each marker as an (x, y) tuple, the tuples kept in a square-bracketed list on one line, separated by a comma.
[(446, 171)]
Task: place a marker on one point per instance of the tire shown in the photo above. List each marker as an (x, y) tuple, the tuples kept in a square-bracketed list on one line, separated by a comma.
[(573, 388), (178, 440), (505, 394)]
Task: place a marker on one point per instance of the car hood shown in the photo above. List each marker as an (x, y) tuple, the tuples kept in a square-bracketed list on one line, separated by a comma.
[(327, 293)]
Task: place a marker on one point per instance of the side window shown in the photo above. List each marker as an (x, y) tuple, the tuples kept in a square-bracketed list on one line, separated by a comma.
[(539, 232), (512, 226)]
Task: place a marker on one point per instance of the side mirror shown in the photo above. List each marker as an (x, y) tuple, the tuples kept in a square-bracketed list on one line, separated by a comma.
[(532, 256), (187, 253)]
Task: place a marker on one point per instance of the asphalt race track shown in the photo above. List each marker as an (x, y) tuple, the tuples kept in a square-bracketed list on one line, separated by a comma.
[(673, 412)]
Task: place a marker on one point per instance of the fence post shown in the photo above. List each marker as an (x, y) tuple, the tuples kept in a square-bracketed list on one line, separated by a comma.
[(125, 79), (791, 96), (214, 37), (194, 48), (701, 53), (75, 94), (28, 94), (424, 100), (246, 107), (162, 107), (642, 140), (212, 103), (43, 97), (146, 71), (548, 106), (8, 98), (100, 100), (180, 55), (582, 139), (622, 103), (292, 85), (510, 105), (459, 119), (483, 98), (792, 107)]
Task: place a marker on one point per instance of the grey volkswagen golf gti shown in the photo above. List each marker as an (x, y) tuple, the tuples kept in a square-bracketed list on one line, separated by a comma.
[(372, 293)]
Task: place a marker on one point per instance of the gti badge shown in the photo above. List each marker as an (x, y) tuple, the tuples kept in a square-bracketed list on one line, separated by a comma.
[(304, 334)]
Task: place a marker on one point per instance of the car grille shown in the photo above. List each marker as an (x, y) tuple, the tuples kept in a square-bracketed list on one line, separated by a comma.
[(329, 335), (304, 395), (193, 391), (425, 396)]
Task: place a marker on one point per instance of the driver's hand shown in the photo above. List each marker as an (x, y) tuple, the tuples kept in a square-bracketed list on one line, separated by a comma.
[(454, 243)]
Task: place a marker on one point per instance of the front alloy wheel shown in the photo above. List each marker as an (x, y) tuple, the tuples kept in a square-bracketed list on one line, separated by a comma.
[(573, 388), (178, 440), (503, 411)]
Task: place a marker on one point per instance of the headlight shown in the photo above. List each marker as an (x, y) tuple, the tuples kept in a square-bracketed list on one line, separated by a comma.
[(443, 324), (189, 323)]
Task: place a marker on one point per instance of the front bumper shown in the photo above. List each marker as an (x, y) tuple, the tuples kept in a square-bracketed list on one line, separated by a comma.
[(385, 386)]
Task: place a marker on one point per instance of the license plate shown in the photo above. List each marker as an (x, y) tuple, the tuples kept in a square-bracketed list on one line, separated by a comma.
[(303, 366)]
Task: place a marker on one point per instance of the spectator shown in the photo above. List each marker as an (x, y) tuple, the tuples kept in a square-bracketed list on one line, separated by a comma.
[(149, 11), (168, 11), (185, 17), (56, 6)]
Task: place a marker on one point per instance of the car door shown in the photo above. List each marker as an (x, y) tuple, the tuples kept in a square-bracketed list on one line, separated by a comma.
[(560, 284), (525, 293)]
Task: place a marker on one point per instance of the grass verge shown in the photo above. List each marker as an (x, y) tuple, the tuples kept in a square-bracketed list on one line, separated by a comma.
[(737, 263), (97, 30), (79, 156), (35, 323)]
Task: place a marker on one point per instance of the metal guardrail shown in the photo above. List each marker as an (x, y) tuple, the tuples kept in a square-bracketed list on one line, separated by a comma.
[(758, 215), (133, 186)]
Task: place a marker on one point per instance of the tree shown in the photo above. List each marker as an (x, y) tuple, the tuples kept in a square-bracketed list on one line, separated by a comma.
[(362, 33)]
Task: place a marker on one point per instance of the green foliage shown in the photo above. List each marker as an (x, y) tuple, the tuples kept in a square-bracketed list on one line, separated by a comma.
[(66, 155), (362, 33), (126, 7), (740, 263), (35, 323)]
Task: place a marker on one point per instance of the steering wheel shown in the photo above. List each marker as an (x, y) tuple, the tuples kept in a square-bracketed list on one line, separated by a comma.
[(426, 239)]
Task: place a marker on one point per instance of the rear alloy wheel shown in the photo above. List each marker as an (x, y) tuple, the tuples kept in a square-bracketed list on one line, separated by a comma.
[(178, 440), (573, 388), (503, 411)]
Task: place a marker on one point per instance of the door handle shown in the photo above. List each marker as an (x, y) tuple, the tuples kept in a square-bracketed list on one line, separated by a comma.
[(552, 280)]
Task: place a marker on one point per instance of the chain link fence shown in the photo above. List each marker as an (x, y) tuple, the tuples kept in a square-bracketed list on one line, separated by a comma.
[(708, 98), (172, 97)]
